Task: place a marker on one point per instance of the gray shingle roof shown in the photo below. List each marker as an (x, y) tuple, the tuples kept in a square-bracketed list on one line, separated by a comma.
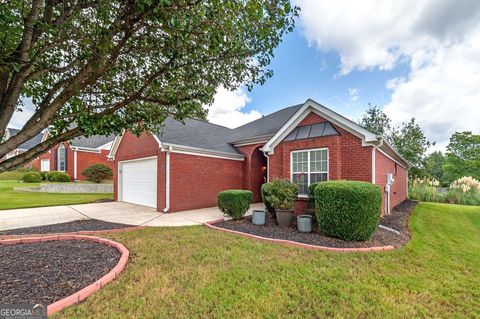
[(28, 144), (266, 125), (197, 133), (205, 135), (94, 141)]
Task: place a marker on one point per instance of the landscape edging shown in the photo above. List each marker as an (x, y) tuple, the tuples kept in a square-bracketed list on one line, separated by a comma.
[(82, 232), (83, 293), (211, 225)]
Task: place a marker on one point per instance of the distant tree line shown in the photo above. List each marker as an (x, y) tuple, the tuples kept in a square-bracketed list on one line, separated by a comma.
[(462, 156)]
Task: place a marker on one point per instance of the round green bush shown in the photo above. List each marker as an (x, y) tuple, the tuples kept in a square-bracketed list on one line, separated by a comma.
[(234, 202), (32, 177), (98, 172), (349, 210), (280, 194), (58, 177), (265, 190), (44, 175)]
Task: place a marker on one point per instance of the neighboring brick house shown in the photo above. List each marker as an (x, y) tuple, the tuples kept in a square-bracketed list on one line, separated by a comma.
[(9, 132), (75, 155), (186, 165)]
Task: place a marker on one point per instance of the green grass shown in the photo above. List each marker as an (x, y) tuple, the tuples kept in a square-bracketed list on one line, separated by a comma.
[(10, 199), (195, 272), (11, 175)]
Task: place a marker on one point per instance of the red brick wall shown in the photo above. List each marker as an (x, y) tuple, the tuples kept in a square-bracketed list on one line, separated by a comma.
[(383, 166), (84, 159), (195, 181), (253, 167), (348, 159)]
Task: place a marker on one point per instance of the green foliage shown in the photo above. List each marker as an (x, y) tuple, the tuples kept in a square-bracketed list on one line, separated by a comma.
[(98, 172), (463, 156), (311, 196), (136, 62), (456, 194), (280, 193), (264, 189), (44, 175), (376, 121), (411, 143), (234, 202), (58, 177), (349, 210), (434, 167), (424, 192), (32, 177)]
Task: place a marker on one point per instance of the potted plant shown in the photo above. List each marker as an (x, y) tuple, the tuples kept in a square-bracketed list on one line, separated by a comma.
[(282, 195)]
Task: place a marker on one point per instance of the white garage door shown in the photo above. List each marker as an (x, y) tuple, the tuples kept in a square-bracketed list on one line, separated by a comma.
[(139, 182)]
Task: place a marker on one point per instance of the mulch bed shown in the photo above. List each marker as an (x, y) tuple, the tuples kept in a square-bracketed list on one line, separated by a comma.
[(398, 220), (68, 227), (46, 272)]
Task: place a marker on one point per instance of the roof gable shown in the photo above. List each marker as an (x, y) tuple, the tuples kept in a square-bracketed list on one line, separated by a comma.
[(329, 115)]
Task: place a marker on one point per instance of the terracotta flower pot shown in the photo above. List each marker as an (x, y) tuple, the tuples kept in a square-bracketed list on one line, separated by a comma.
[(284, 217)]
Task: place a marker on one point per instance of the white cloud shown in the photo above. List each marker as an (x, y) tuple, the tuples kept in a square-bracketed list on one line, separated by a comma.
[(227, 108), (353, 93), (438, 39)]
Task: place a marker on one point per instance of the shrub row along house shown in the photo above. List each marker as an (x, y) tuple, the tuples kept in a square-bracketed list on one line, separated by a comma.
[(187, 165), (71, 157)]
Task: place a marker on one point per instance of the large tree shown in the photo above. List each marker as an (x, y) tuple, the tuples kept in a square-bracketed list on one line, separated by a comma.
[(408, 138), (97, 67), (411, 142), (434, 163), (462, 156), (376, 121)]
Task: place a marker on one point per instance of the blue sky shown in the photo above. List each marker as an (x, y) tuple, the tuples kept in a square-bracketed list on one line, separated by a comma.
[(413, 58), (301, 71)]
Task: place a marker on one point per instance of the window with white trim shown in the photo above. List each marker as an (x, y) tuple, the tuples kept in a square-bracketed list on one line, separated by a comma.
[(61, 158), (308, 167)]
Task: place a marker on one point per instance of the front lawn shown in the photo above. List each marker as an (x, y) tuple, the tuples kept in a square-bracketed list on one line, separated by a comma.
[(10, 199), (195, 272)]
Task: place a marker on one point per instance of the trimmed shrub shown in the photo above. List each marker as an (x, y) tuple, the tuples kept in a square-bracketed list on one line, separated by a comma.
[(44, 175), (98, 172), (265, 190), (234, 202), (32, 177), (280, 194), (349, 210), (311, 196), (58, 177)]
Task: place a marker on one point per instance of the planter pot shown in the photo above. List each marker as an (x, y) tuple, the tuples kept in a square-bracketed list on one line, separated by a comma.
[(305, 223), (258, 217), (284, 217)]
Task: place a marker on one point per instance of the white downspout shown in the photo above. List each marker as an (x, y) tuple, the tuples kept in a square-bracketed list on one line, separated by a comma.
[(374, 155), (75, 164), (167, 180), (268, 166)]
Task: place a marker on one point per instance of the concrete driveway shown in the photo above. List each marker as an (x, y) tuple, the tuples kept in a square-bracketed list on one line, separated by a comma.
[(116, 212)]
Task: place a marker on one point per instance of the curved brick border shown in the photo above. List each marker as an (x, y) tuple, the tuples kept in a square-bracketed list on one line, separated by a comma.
[(83, 293), (294, 243), (82, 232)]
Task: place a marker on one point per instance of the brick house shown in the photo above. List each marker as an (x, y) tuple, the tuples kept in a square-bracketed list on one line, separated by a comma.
[(9, 132), (75, 155), (186, 165)]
